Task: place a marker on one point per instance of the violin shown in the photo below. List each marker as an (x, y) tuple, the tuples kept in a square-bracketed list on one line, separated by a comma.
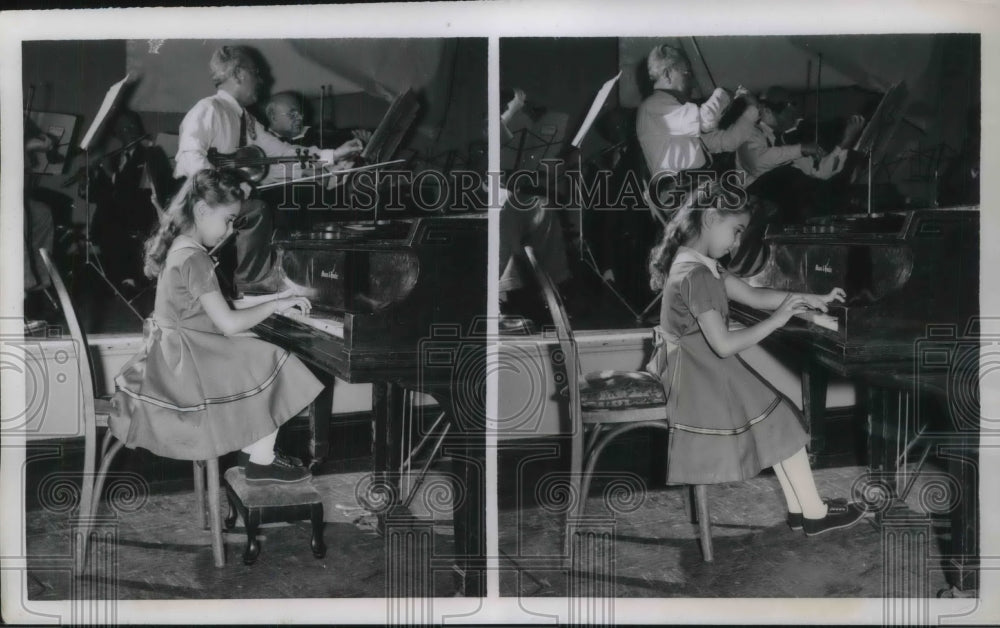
[(733, 111), (104, 161), (254, 163)]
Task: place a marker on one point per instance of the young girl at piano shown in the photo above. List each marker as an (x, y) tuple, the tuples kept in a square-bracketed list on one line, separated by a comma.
[(199, 390), (727, 423)]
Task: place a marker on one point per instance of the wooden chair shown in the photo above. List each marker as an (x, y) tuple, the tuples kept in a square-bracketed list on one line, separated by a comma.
[(95, 414), (603, 406)]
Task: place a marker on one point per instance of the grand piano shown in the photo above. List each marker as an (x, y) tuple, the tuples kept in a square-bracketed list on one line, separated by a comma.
[(399, 303), (907, 336)]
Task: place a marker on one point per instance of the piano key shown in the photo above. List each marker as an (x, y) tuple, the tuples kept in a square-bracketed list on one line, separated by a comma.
[(901, 271), (820, 319), (326, 324)]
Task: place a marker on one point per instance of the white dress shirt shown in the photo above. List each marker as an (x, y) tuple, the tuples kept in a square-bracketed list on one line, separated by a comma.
[(758, 155), (674, 136), (214, 122)]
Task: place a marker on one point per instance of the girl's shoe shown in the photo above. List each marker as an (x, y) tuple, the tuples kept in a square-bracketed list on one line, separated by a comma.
[(275, 472), (839, 515), (795, 518), (243, 458)]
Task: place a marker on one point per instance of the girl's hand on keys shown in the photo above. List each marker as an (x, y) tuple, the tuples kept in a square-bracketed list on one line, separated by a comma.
[(819, 301), (301, 303), (792, 305)]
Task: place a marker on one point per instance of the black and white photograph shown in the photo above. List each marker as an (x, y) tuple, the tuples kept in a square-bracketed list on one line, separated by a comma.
[(251, 261), (739, 298), (508, 312)]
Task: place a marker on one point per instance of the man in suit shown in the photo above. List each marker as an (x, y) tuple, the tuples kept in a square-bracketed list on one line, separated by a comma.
[(128, 188), (791, 174)]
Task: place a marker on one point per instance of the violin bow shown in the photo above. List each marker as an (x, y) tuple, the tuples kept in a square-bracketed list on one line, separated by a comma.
[(708, 70), (322, 113)]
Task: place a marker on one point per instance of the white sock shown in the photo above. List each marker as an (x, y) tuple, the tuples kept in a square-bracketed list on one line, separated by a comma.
[(800, 479), (790, 500), (262, 452)]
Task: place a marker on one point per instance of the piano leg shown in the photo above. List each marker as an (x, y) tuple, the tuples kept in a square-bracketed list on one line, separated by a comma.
[(387, 413), (887, 409), (963, 465), (815, 379), (319, 423), (889, 412), (467, 451)]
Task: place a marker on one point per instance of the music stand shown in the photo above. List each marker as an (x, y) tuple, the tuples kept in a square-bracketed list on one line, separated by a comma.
[(390, 132), (535, 143), (585, 252), (110, 104), (874, 140), (391, 129)]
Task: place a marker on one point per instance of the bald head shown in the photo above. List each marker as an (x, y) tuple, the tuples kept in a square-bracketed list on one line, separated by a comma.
[(284, 114)]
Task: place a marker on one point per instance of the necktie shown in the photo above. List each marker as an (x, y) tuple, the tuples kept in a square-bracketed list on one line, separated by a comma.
[(124, 160), (243, 130)]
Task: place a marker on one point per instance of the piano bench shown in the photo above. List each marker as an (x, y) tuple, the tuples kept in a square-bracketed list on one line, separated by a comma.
[(268, 503)]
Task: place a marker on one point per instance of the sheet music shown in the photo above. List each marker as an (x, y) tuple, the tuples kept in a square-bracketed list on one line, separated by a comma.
[(393, 126), (886, 115), (595, 108), (110, 100)]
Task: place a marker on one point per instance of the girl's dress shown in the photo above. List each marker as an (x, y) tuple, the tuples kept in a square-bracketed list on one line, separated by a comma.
[(727, 423), (193, 393)]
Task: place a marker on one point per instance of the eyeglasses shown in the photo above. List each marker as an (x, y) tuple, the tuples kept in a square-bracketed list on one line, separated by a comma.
[(291, 113)]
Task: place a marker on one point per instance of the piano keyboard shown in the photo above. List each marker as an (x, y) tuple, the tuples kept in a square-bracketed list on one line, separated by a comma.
[(329, 325), (820, 319)]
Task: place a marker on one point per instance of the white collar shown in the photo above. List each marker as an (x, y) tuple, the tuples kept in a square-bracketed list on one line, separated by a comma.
[(687, 254), (184, 241), (290, 140), (768, 131), (224, 95)]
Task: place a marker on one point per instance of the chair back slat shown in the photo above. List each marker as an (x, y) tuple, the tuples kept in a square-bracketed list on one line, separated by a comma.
[(76, 333), (567, 342)]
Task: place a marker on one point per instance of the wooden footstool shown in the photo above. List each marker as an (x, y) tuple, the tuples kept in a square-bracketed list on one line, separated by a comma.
[(268, 503)]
